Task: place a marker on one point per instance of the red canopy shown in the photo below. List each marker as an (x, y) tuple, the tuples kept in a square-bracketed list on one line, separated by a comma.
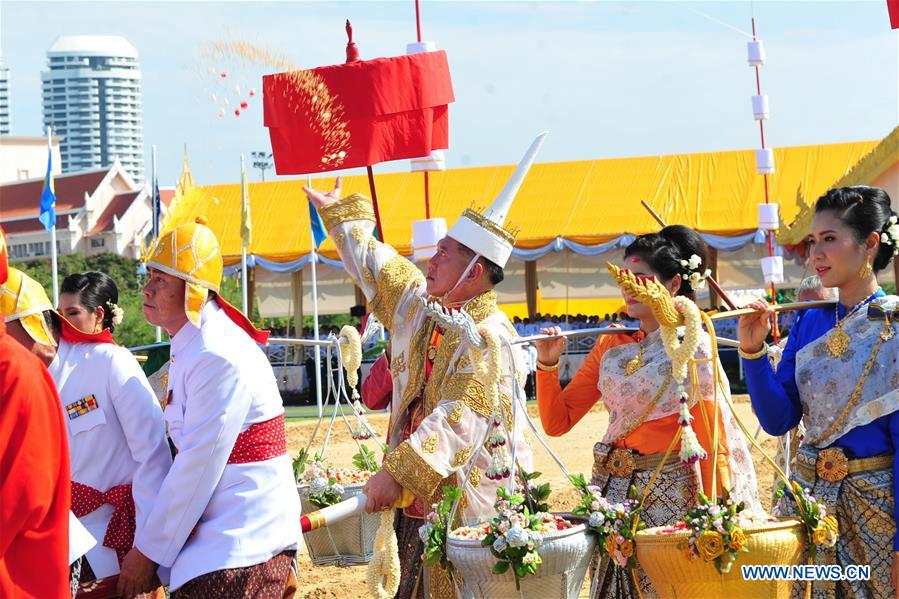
[(394, 108)]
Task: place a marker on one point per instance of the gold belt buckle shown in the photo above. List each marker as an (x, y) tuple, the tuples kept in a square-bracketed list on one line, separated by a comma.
[(621, 463), (832, 464)]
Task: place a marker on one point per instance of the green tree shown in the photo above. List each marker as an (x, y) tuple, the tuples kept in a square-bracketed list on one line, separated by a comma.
[(134, 330)]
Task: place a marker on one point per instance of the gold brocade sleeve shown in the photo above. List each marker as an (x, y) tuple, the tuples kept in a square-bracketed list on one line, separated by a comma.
[(393, 280), (381, 274), (412, 471), (354, 207)]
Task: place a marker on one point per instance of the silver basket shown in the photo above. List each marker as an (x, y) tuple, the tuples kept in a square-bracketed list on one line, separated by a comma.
[(566, 557), (348, 542)]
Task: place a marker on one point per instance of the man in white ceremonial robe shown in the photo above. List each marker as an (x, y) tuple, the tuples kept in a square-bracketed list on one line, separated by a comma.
[(227, 517), (440, 411), (117, 439)]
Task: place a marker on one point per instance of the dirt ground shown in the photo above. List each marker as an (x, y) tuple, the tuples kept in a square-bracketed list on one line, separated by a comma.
[(574, 449)]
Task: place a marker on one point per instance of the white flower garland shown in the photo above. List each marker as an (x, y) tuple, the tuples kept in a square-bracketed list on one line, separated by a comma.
[(383, 576), (680, 353), (500, 459), (351, 353), (361, 432), (118, 315)]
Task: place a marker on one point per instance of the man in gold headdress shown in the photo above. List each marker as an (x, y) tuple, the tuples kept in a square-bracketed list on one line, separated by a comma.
[(28, 315), (226, 518), (440, 411)]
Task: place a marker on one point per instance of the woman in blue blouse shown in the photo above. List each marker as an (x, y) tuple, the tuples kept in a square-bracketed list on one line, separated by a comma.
[(840, 369)]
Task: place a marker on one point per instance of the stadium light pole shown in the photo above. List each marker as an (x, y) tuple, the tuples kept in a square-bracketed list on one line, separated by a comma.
[(262, 161)]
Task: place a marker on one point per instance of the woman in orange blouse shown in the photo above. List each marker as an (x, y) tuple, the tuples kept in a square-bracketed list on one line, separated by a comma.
[(631, 374)]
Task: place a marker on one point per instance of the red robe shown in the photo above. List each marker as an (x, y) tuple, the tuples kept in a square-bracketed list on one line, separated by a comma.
[(34, 478), (377, 387)]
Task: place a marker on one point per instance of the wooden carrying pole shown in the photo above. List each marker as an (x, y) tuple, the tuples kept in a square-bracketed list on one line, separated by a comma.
[(712, 282), (776, 307)]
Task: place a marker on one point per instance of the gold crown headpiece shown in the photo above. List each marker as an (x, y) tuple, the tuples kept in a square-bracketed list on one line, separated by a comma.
[(478, 214)]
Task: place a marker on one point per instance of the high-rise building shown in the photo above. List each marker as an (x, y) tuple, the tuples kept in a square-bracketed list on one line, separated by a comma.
[(4, 99), (92, 99)]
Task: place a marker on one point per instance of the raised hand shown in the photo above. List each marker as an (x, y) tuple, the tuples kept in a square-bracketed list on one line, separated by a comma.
[(754, 328), (321, 199), (550, 350)]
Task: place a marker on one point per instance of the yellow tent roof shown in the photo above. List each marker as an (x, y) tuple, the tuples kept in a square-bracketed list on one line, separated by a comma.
[(865, 172), (586, 201)]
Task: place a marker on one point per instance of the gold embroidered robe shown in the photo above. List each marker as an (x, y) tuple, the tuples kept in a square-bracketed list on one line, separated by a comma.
[(454, 399)]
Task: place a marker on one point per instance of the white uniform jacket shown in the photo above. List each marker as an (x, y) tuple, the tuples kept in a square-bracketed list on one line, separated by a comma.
[(118, 438), (211, 515)]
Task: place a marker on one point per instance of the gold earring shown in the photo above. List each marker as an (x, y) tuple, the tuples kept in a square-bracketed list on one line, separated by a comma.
[(865, 271)]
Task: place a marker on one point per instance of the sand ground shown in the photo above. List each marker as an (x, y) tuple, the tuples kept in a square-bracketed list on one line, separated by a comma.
[(574, 449)]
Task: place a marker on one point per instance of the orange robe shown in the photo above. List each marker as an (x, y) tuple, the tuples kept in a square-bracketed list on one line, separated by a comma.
[(34, 479), (560, 409)]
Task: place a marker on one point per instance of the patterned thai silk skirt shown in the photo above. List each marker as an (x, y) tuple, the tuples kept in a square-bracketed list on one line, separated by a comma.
[(416, 580), (269, 580), (410, 549), (674, 491), (860, 494), (85, 584)]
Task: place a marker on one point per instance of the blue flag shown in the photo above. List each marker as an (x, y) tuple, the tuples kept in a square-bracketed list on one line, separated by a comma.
[(48, 198), (157, 207), (318, 227)]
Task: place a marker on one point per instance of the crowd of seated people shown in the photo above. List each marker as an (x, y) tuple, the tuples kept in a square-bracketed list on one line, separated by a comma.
[(526, 326)]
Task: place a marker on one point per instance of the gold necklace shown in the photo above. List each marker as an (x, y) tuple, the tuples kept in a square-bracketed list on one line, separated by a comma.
[(637, 362), (838, 341)]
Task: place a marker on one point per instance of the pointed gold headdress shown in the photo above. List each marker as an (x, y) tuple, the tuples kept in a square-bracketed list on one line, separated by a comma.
[(648, 291)]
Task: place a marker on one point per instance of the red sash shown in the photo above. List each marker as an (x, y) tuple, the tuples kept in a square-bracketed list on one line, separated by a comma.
[(262, 441), (120, 531)]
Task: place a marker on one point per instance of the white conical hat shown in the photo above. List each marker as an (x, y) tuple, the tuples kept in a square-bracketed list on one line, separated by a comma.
[(485, 234)]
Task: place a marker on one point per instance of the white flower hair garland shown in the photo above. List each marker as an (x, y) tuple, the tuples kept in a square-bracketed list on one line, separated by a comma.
[(890, 234), (118, 315), (693, 274)]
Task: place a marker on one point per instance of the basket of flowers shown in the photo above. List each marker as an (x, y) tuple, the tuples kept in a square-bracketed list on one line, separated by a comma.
[(525, 551), (350, 541), (320, 485), (703, 554)]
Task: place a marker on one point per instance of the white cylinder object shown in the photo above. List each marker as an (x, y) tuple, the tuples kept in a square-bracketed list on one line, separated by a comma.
[(425, 235), (773, 269), (419, 47), (756, 51), (768, 217), (760, 109), (764, 161), (436, 161)]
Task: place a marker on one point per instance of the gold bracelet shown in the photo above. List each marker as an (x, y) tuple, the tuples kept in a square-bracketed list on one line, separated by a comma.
[(755, 355), (548, 367)]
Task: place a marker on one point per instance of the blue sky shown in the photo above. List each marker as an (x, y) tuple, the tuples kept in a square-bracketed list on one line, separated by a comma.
[(607, 79)]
